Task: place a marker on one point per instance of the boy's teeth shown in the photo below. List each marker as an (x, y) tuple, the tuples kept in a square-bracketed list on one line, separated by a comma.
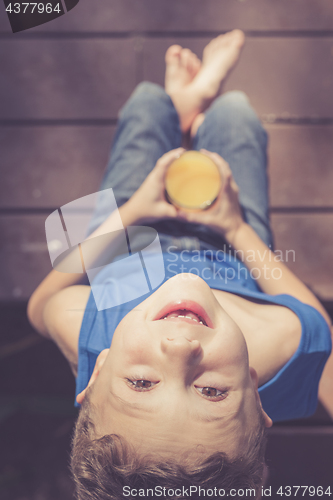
[(189, 315), (181, 316)]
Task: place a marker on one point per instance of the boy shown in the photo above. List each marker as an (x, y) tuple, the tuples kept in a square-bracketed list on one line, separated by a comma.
[(173, 402)]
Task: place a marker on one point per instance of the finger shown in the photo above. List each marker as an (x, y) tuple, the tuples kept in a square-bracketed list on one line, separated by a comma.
[(164, 162), (222, 165), (211, 154), (171, 154), (182, 215), (186, 216), (170, 210), (217, 159), (234, 185), (166, 210)]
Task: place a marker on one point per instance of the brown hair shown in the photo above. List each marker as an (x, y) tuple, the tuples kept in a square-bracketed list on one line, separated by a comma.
[(102, 467)]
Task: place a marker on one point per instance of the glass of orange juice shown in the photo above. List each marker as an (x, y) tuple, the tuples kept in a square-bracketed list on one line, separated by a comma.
[(192, 181)]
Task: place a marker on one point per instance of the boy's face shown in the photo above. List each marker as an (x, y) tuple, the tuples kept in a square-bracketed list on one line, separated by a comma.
[(171, 384)]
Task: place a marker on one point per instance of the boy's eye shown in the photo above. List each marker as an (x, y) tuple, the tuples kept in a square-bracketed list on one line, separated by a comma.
[(141, 384), (212, 393)]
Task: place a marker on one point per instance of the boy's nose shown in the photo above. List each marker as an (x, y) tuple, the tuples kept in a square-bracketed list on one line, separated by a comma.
[(181, 348)]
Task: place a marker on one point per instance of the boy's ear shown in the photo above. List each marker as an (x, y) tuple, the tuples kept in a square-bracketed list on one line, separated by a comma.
[(268, 420), (98, 365), (255, 379)]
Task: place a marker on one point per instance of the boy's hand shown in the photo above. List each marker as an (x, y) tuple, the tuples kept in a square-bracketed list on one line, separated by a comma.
[(225, 215), (148, 203)]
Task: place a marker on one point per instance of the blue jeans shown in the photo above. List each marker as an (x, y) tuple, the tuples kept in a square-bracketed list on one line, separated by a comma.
[(149, 126)]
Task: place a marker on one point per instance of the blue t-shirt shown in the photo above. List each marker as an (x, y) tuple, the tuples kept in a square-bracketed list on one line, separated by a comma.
[(290, 394)]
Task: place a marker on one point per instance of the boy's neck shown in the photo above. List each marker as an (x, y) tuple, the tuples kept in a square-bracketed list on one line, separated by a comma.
[(272, 332)]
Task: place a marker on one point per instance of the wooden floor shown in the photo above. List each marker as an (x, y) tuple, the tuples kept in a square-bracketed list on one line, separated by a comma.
[(61, 87), (63, 83)]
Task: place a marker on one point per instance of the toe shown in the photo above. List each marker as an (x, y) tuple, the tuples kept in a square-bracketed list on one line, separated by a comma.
[(238, 33), (172, 54), (186, 56), (191, 63), (195, 65), (234, 37), (224, 39), (216, 43), (238, 36)]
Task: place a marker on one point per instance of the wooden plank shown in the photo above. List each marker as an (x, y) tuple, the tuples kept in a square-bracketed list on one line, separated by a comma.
[(299, 457), (284, 430), (283, 77), (307, 238), (42, 356), (45, 167), (300, 165), (190, 15), (306, 243), (24, 255), (50, 166), (65, 79), (50, 85)]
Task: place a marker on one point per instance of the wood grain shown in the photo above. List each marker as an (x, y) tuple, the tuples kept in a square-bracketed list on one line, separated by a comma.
[(49, 166), (306, 241), (65, 79), (190, 15)]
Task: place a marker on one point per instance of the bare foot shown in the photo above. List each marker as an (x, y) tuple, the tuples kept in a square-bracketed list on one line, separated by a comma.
[(219, 58), (192, 91), (182, 65)]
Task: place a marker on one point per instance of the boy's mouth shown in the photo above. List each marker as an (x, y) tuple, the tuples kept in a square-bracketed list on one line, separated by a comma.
[(183, 315), (186, 311)]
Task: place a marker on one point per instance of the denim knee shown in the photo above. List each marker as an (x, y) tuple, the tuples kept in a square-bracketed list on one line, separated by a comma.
[(234, 109), (147, 97), (149, 88), (234, 96), (236, 104)]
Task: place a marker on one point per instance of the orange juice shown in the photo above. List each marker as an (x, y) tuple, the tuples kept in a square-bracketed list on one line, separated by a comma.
[(192, 181)]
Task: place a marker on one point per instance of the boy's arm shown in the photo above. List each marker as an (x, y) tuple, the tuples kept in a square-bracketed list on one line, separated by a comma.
[(326, 385), (272, 275), (62, 316)]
